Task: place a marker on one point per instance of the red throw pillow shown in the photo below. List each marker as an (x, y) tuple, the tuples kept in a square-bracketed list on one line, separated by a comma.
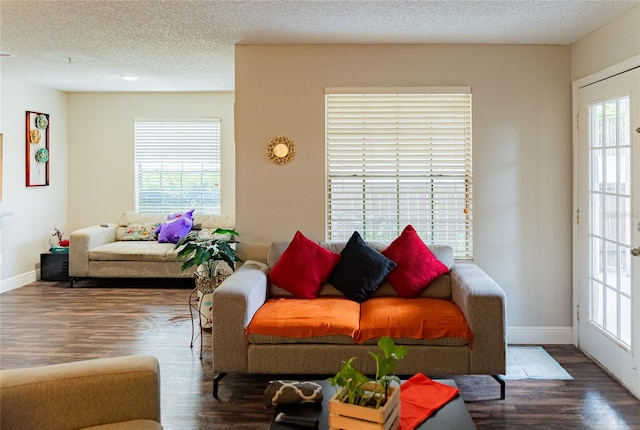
[(416, 265), (303, 267)]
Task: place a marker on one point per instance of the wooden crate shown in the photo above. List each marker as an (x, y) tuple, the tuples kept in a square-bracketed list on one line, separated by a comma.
[(353, 417)]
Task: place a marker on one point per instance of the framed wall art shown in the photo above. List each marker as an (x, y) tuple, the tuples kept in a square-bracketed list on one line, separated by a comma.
[(37, 137)]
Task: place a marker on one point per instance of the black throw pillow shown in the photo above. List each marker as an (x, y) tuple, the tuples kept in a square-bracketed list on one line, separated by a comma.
[(360, 270)]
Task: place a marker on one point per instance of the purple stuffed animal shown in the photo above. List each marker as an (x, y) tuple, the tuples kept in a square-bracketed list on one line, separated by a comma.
[(176, 227)]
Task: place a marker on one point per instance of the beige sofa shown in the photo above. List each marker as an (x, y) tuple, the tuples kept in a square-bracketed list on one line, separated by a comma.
[(120, 393), (99, 251), (236, 301)]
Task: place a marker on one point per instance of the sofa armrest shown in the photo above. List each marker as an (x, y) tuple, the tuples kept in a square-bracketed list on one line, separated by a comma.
[(483, 303), (82, 241), (81, 394), (235, 302)]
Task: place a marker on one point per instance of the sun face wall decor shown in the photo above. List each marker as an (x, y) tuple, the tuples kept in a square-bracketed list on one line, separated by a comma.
[(37, 151), (281, 150)]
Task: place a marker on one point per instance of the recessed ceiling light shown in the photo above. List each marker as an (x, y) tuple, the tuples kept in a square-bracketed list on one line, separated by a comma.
[(130, 77)]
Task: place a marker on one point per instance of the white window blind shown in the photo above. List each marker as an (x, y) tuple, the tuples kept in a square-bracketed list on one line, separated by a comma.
[(398, 159), (177, 166)]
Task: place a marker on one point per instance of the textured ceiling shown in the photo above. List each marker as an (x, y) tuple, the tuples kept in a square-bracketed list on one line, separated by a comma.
[(189, 45)]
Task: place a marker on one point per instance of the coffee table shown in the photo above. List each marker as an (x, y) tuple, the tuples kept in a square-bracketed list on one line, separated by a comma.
[(454, 415)]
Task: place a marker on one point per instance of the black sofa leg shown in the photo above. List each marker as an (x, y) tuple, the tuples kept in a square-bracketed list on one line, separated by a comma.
[(502, 386), (216, 380)]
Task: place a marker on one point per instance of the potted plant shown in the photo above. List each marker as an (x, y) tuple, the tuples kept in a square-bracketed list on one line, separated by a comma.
[(206, 255), (358, 399)]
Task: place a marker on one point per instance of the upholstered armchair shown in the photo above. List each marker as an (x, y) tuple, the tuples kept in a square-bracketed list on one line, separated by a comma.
[(106, 394)]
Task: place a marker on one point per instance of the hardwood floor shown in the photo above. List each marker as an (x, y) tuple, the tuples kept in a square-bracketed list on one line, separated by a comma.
[(48, 322)]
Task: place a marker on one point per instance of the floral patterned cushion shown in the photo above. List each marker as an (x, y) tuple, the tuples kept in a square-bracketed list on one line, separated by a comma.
[(140, 231)]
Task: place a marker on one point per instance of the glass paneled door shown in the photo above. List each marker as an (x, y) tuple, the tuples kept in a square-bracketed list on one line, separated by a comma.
[(609, 223)]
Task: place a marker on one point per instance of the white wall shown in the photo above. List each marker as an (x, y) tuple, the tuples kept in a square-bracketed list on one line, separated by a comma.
[(30, 214), (521, 154), (611, 44), (101, 147)]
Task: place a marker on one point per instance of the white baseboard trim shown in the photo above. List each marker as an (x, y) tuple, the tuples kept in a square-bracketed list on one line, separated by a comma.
[(545, 335), (18, 281)]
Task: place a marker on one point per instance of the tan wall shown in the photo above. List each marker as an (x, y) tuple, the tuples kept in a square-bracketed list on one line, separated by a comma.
[(611, 44), (29, 214), (101, 147), (521, 151)]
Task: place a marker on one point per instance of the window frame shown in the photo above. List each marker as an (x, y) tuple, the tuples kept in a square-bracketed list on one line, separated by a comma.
[(161, 144), (459, 216)]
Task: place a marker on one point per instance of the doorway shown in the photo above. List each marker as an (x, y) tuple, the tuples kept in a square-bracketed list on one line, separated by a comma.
[(607, 246)]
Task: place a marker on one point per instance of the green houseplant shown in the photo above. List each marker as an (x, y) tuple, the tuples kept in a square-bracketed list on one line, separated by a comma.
[(362, 399), (205, 254), (353, 382)]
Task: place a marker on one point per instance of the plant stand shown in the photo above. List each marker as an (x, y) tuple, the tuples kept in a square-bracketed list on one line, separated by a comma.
[(205, 286), (354, 417)]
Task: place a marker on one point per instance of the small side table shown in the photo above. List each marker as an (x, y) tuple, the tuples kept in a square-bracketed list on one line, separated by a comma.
[(198, 316), (54, 266), (204, 287)]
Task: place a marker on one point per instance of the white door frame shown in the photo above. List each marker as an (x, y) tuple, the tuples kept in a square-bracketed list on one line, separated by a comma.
[(598, 76)]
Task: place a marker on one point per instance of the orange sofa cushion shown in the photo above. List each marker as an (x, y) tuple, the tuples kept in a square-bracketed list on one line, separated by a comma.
[(300, 318), (419, 318)]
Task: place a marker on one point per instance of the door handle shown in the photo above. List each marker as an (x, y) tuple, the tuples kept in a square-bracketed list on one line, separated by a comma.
[(635, 252)]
